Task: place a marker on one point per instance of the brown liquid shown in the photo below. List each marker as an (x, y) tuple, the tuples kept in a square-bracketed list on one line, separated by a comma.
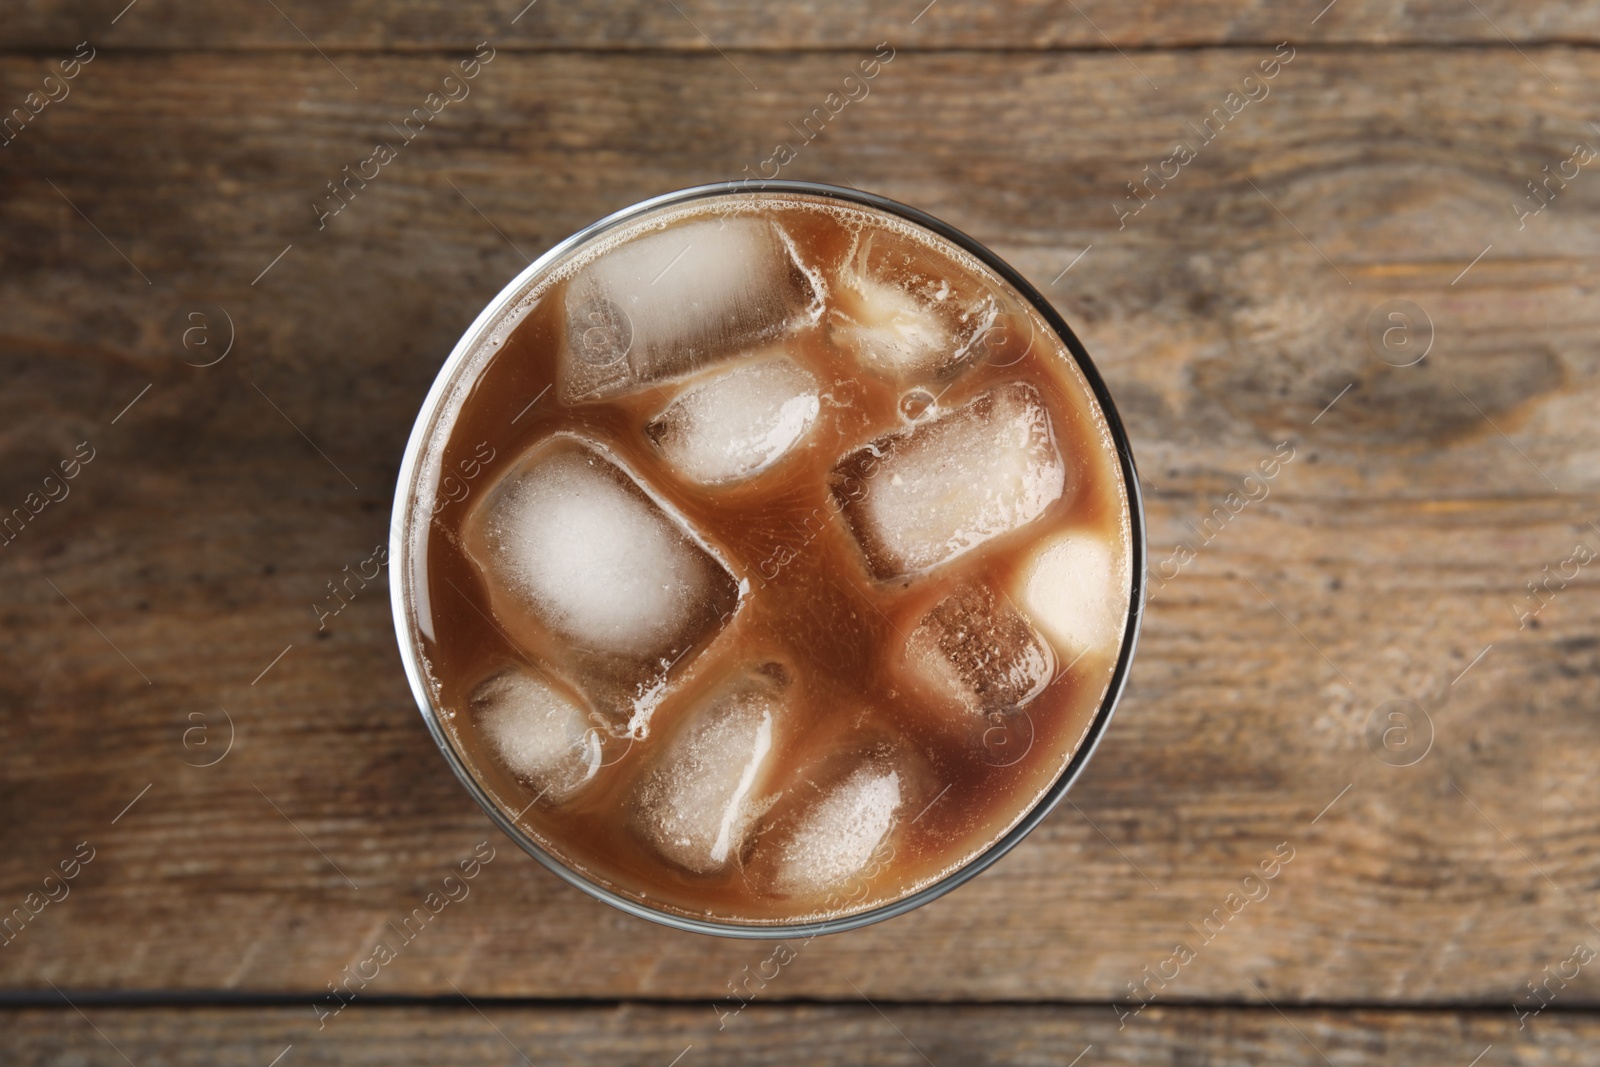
[(816, 616)]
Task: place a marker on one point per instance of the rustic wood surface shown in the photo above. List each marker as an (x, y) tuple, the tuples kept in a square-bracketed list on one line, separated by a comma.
[(174, 590), (897, 1036), (704, 25)]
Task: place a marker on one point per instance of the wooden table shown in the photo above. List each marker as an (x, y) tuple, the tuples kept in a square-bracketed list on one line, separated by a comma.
[(1444, 847)]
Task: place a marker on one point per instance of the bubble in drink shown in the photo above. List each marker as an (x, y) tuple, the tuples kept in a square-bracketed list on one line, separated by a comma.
[(976, 648), (697, 806), (921, 497), (539, 732), (665, 304), (569, 542), (906, 314), (737, 423)]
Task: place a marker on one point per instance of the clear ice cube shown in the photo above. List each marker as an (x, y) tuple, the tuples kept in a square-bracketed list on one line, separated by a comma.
[(923, 496), (697, 806), (1076, 588), (836, 836), (978, 649), (586, 566), (906, 312), (738, 422), (539, 732), (665, 304)]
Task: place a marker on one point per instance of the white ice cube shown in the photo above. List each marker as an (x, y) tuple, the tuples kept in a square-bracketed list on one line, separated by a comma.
[(538, 731), (889, 329), (836, 837), (1076, 588), (576, 542), (665, 304), (975, 649), (907, 313), (737, 423), (697, 806), (923, 496)]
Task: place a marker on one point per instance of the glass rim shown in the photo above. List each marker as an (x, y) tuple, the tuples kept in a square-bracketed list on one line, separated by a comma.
[(401, 572)]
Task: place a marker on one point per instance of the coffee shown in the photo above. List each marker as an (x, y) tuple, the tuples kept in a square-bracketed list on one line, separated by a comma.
[(770, 558)]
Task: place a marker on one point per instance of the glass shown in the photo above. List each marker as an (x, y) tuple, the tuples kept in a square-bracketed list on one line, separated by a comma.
[(408, 561)]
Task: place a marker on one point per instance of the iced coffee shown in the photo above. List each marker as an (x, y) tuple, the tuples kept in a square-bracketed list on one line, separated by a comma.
[(769, 558)]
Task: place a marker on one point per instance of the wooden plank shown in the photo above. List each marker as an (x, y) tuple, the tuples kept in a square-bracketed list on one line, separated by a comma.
[(772, 1036), (709, 25), (180, 577)]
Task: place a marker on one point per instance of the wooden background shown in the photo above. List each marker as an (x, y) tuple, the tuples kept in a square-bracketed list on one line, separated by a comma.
[(174, 590)]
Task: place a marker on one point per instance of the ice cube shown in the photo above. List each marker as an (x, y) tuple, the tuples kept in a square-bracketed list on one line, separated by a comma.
[(665, 304), (586, 567), (595, 557), (1076, 589), (978, 649), (837, 835), (907, 312), (539, 732), (697, 806), (923, 496), (737, 423)]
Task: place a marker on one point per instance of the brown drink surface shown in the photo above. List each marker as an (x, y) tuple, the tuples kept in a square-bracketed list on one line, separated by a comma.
[(820, 662)]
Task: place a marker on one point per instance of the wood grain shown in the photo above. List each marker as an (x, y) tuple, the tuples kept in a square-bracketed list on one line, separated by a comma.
[(1226, 316), (708, 25), (807, 1034)]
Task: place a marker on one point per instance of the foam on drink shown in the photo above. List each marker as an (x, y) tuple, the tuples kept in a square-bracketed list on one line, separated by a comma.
[(800, 572)]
